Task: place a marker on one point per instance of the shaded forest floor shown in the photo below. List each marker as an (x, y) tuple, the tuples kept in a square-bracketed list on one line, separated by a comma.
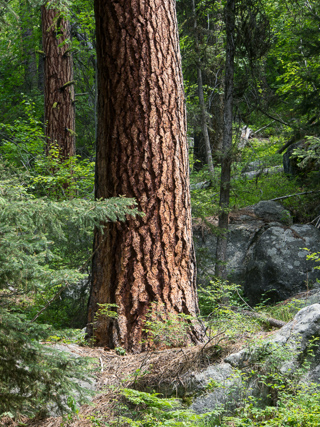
[(166, 371)]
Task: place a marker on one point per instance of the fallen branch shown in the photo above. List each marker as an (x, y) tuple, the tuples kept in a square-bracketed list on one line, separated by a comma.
[(293, 195), (316, 220), (259, 130), (212, 338), (267, 320)]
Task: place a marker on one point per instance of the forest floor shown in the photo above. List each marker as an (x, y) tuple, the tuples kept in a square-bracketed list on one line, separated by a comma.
[(152, 371)]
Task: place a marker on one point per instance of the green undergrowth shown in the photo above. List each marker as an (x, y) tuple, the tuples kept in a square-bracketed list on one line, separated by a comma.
[(282, 400), (247, 191), (263, 150), (290, 403), (221, 306), (149, 409), (284, 311), (42, 257), (35, 378)]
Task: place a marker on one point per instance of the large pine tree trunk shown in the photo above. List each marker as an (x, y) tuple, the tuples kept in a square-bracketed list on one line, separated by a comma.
[(142, 153), (58, 82)]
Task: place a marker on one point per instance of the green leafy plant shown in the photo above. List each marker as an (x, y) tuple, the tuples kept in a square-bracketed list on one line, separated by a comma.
[(24, 140), (151, 410), (73, 411), (283, 399), (308, 154), (220, 316), (107, 310), (281, 311), (120, 351), (166, 329), (62, 178), (314, 256)]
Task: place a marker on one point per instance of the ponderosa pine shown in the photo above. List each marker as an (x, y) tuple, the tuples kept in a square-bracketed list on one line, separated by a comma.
[(142, 153), (58, 82)]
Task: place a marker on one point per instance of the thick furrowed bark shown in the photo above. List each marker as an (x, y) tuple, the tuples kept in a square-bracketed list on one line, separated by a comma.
[(59, 84), (142, 153)]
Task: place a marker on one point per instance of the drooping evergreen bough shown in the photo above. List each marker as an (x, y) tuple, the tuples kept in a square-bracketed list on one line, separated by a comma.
[(31, 374)]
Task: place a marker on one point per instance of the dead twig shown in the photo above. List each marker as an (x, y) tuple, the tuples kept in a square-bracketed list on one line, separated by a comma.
[(215, 336)]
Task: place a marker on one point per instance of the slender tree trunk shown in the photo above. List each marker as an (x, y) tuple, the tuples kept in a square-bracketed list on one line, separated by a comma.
[(142, 153), (221, 254), (58, 82), (28, 47), (199, 151), (204, 125), (216, 134), (216, 102), (95, 103), (203, 110), (40, 71)]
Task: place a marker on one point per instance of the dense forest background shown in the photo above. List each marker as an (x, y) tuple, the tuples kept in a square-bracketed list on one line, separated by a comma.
[(48, 212)]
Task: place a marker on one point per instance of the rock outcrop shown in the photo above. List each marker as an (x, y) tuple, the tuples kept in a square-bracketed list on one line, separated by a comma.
[(289, 347), (265, 251)]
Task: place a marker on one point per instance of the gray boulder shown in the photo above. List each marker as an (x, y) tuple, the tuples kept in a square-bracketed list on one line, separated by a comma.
[(276, 265), (252, 166), (272, 211), (294, 339), (263, 171), (265, 253), (295, 335), (215, 383), (242, 231), (302, 329)]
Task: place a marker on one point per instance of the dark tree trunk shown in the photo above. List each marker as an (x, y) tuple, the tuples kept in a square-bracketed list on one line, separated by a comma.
[(216, 134), (27, 19), (216, 102), (30, 63), (199, 151), (58, 82), (40, 73), (203, 110), (227, 143), (142, 153)]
